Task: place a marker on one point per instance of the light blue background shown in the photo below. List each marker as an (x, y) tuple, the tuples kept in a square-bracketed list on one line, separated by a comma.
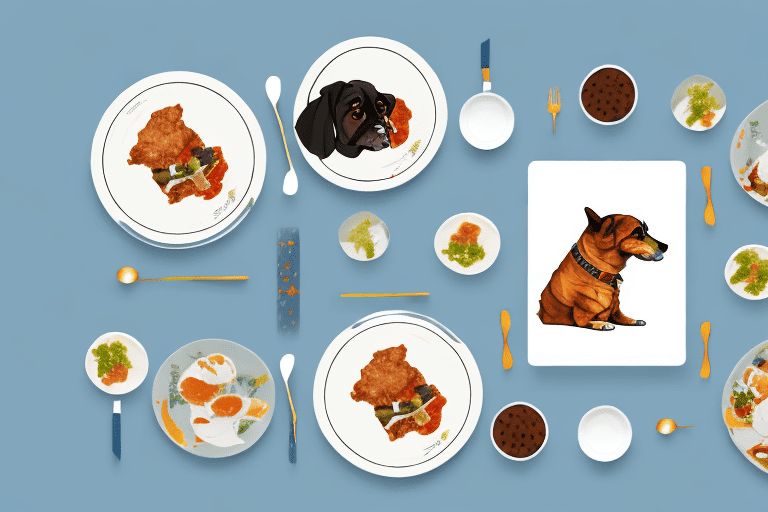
[(63, 65)]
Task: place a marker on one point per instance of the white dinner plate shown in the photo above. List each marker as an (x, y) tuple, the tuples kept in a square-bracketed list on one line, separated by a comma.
[(129, 193), (351, 427), (392, 68), (745, 406), (749, 148)]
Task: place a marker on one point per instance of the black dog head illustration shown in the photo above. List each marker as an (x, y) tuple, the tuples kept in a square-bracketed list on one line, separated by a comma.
[(619, 237), (348, 117)]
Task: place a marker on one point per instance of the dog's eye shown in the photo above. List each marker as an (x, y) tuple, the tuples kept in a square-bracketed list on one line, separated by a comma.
[(357, 114), (381, 106)]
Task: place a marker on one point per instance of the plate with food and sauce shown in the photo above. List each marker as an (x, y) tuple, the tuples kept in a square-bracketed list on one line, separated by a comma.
[(745, 405), (467, 243), (370, 114), (213, 398), (749, 154), (178, 159), (397, 394)]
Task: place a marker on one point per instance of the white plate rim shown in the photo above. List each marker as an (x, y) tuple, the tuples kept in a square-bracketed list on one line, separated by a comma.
[(637, 94), (474, 269), (741, 293), (587, 449), (465, 113), (167, 240), (103, 339), (374, 320), (441, 114)]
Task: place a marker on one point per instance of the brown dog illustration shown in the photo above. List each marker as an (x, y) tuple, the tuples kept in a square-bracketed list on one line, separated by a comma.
[(584, 290)]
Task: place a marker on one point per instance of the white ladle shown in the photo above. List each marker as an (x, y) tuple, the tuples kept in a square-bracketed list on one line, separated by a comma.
[(291, 182), (286, 366)]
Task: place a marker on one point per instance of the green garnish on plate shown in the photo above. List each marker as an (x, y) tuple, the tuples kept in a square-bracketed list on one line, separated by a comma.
[(361, 237), (701, 102), (465, 255), (752, 270), (110, 355)]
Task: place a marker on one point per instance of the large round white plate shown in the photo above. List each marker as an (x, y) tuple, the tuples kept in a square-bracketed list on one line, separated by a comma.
[(136, 355), (128, 192), (752, 430), (489, 239), (253, 379), (749, 147), (392, 68), (351, 427), (731, 267)]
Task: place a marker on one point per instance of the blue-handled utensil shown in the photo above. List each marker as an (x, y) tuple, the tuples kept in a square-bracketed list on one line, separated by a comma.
[(286, 366), (116, 429)]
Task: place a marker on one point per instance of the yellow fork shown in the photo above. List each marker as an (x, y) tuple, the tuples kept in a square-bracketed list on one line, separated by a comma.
[(554, 106)]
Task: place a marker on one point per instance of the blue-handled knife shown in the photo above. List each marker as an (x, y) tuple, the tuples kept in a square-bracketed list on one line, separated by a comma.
[(485, 59), (116, 429)]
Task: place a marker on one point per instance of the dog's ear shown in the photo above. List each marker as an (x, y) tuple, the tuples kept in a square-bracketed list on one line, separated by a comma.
[(595, 221), (315, 126), (390, 103)]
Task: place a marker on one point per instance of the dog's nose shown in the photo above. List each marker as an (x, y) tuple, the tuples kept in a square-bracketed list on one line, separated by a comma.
[(385, 144)]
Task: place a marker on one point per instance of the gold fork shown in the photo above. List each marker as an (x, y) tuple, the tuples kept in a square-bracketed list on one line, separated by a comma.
[(553, 107)]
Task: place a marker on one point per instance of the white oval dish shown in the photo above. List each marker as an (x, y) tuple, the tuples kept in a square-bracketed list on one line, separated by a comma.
[(136, 355), (679, 102), (604, 433), (489, 239), (731, 266), (546, 432), (634, 105)]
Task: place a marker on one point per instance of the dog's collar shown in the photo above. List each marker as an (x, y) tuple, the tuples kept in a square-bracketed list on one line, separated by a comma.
[(605, 277)]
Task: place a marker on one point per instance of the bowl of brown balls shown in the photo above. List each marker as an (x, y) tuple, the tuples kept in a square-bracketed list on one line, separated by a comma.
[(519, 431), (608, 95)]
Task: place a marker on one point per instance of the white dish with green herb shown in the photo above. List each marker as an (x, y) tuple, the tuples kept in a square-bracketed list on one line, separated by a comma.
[(364, 236), (747, 272), (111, 354), (698, 103)]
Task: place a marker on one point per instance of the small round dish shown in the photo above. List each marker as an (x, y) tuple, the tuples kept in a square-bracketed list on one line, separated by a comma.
[(681, 103), (136, 355), (364, 236), (604, 433), (600, 91), (488, 240), (747, 277), (521, 425), (486, 120)]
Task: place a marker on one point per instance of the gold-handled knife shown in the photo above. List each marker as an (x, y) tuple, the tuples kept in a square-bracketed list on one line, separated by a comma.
[(286, 366)]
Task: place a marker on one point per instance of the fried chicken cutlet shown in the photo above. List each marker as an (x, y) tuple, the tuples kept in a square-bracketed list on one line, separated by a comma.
[(163, 139)]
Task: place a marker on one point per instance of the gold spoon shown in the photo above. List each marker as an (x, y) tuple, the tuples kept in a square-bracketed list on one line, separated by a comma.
[(506, 355), (705, 368), (667, 426), (709, 211), (128, 275)]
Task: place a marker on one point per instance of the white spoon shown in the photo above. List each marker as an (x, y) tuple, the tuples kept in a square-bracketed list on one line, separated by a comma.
[(291, 182), (286, 365)]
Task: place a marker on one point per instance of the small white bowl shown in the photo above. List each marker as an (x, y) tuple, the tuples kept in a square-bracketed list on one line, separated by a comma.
[(681, 95), (605, 433), (136, 355), (486, 120), (489, 239), (592, 73), (546, 432), (731, 266), (380, 244)]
